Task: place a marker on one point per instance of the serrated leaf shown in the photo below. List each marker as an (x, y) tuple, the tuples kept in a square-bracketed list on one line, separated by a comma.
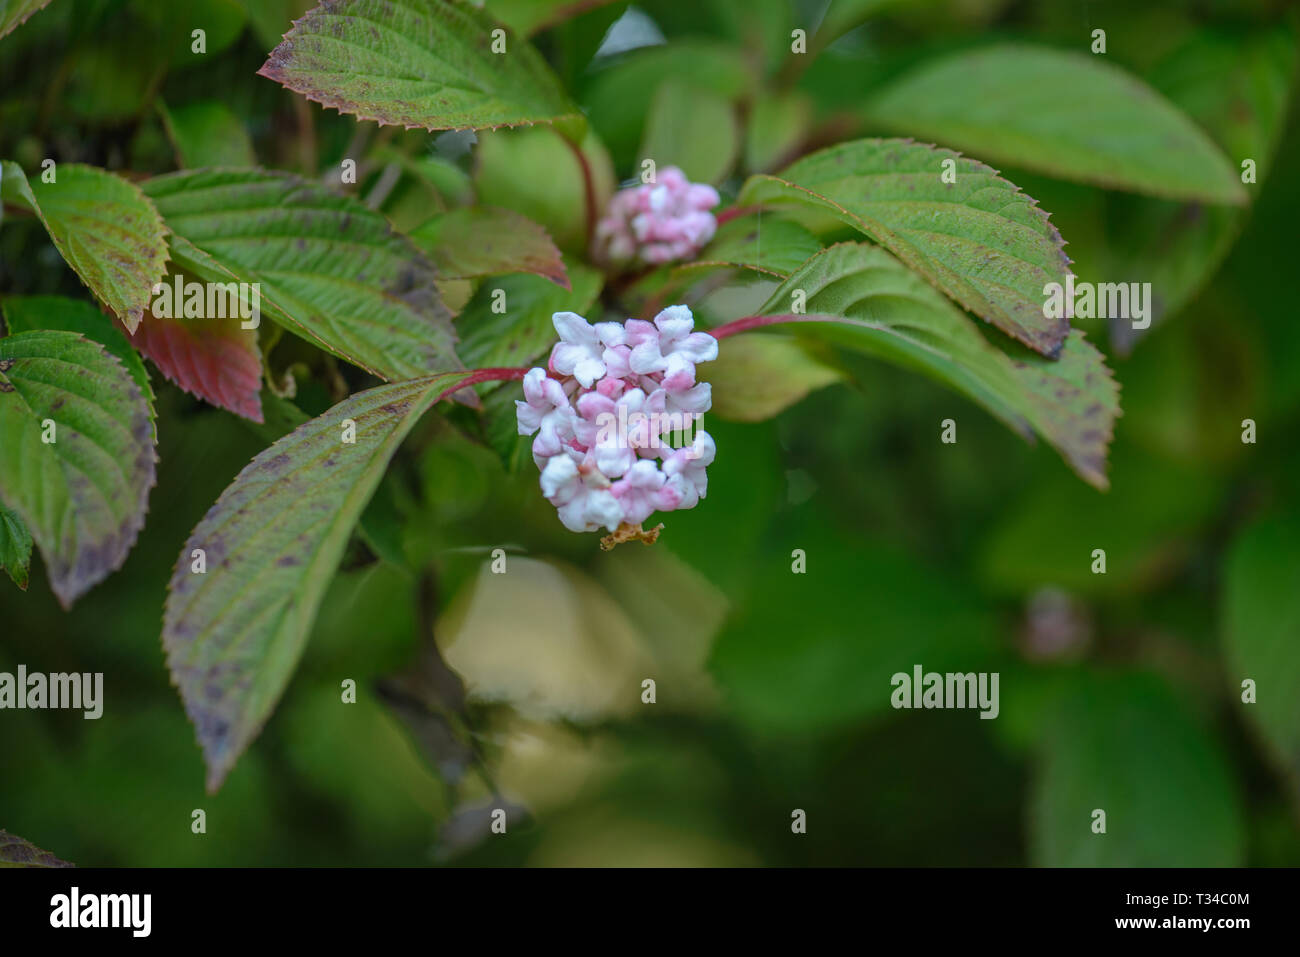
[(207, 133), (1125, 745), (1261, 622), (331, 269), (980, 239), (1071, 115), (84, 494), (16, 852), (524, 330), (861, 297), (212, 357), (766, 244), (486, 241), (693, 128), (104, 227), (15, 546), (417, 63), (272, 542), (30, 313), (758, 376), (13, 13)]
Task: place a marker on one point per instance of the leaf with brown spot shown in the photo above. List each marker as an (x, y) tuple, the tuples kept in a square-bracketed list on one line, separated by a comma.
[(330, 269), (272, 543), (417, 63), (16, 852), (486, 241), (104, 227), (979, 240), (860, 297), (83, 495)]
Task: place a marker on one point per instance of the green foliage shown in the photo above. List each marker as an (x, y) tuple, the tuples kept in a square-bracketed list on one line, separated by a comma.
[(1260, 621), (104, 227), (482, 240), (497, 657), (996, 250), (79, 454), (417, 63), (330, 269), (861, 297), (1124, 745), (234, 632), (1023, 105)]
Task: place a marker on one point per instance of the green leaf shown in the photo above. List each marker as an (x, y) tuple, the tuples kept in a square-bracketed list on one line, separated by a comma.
[(526, 17), (536, 173), (1071, 115), (758, 376), (1126, 745), (31, 313), (859, 296), (1261, 619), (331, 269), (618, 100), (106, 229), (79, 454), (693, 128), (524, 330), (980, 239), (838, 671), (778, 125), (1147, 526), (12, 15), (15, 547), (207, 134), (1237, 88), (15, 852), (272, 542), (417, 63), (765, 244), (485, 241)]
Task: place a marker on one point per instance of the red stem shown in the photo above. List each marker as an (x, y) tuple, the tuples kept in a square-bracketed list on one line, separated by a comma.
[(731, 212), (499, 374), (745, 323)]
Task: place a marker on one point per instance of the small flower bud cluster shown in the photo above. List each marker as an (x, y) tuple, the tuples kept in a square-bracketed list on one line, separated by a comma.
[(660, 222), (614, 391)]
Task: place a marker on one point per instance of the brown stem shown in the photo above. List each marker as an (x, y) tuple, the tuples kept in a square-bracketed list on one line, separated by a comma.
[(588, 189)]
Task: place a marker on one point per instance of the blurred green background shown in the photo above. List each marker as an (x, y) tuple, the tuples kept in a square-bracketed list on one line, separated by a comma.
[(1119, 691)]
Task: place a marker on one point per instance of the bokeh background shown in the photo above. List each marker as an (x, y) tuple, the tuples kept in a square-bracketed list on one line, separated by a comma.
[(1119, 691)]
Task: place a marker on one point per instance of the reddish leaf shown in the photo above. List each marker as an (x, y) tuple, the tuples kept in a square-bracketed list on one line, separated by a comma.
[(214, 359)]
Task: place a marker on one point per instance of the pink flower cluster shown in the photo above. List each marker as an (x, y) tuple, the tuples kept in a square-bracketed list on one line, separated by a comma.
[(614, 391), (660, 222)]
